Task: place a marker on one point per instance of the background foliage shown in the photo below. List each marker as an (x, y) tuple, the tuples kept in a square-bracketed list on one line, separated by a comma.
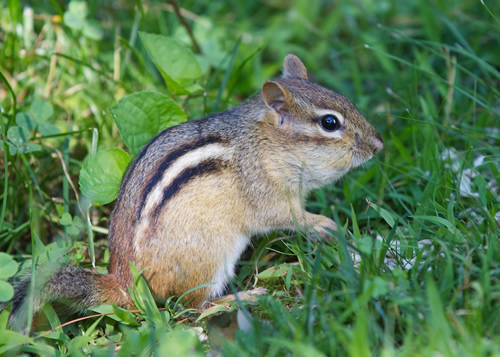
[(417, 271)]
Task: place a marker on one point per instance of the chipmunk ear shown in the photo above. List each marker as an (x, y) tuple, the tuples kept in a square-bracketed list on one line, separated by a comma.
[(294, 68), (278, 98), (275, 95)]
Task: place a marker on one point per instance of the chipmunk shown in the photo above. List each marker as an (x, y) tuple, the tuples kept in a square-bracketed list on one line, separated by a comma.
[(192, 199)]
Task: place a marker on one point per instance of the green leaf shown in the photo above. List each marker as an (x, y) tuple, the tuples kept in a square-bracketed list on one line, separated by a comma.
[(66, 219), (450, 225), (92, 327), (142, 297), (436, 220), (73, 225), (481, 189), (6, 291), (77, 221), (8, 266), (175, 61), (30, 147), (194, 88), (78, 342), (41, 110), (48, 129), (387, 216), (102, 173), (364, 244), (73, 21), (360, 334), (93, 30), (355, 227), (79, 8), (141, 116), (125, 316), (72, 230), (215, 310), (39, 248), (74, 18), (378, 286), (18, 135), (178, 343), (54, 321), (274, 272), (13, 338), (26, 121), (4, 318), (12, 148), (437, 313)]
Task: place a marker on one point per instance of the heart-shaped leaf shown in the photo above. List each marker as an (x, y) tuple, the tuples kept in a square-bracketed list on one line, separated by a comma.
[(66, 219), (18, 135), (41, 110), (8, 266), (142, 115), (93, 30), (48, 129), (26, 121), (101, 175), (6, 291), (176, 62)]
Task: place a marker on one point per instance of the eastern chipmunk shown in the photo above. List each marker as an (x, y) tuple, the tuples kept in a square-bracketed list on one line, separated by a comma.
[(197, 193)]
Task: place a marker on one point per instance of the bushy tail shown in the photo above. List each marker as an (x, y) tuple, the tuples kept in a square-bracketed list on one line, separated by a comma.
[(81, 288)]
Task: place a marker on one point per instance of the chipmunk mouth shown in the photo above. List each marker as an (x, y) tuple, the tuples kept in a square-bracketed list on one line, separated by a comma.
[(359, 157), (363, 151)]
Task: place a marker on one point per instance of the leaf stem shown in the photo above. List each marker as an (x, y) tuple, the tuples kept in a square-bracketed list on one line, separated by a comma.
[(185, 24)]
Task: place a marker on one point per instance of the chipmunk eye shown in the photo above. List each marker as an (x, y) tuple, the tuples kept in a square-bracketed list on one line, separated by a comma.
[(330, 122)]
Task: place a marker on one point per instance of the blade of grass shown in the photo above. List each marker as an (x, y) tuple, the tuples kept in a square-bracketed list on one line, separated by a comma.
[(226, 75), (6, 149), (65, 183)]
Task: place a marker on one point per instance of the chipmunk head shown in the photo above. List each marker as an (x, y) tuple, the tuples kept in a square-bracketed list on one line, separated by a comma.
[(322, 130)]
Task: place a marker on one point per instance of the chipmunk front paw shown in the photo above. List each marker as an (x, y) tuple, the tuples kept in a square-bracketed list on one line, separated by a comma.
[(320, 227)]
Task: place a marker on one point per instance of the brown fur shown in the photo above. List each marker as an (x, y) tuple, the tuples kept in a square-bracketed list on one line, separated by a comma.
[(198, 192)]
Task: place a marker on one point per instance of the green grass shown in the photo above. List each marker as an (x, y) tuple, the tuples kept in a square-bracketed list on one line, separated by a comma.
[(415, 269)]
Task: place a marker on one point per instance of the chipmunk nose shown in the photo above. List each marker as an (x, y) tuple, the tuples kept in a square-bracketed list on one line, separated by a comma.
[(377, 143)]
